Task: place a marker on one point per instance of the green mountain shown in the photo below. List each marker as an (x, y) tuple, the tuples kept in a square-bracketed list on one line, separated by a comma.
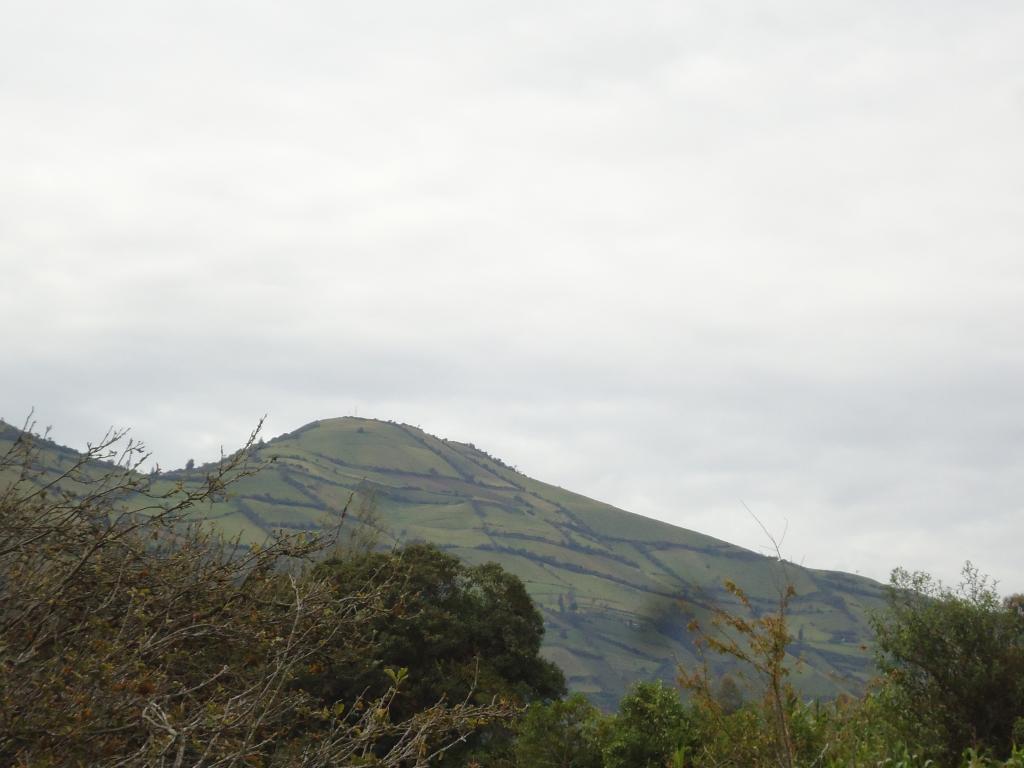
[(616, 589)]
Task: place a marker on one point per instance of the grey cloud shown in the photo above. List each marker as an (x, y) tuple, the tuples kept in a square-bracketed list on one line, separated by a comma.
[(671, 256)]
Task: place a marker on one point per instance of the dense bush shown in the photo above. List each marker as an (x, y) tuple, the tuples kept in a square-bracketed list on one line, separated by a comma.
[(464, 633), (953, 660), (650, 728), (464, 630), (562, 734)]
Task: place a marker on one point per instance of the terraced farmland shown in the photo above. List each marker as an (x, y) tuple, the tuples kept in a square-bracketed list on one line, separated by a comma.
[(616, 589)]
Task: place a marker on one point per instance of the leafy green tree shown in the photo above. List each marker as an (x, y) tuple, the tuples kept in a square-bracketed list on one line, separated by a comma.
[(458, 629), (461, 633), (650, 728), (953, 659), (560, 734)]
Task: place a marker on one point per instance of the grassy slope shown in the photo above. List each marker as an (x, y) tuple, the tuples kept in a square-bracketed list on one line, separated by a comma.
[(616, 589)]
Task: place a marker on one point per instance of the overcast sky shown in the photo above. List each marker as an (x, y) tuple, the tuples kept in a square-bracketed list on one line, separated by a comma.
[(675, 256)]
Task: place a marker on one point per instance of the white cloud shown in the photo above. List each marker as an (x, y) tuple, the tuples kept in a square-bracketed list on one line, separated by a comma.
[(672, 256)]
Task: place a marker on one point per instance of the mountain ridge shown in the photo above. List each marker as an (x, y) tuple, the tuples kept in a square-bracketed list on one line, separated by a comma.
[(616, 589)]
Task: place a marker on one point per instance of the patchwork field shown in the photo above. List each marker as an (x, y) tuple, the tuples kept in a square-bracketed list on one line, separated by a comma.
[(616, 590)]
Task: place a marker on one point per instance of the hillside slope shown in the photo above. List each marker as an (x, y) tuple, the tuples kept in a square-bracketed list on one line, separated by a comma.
[(616, 589)]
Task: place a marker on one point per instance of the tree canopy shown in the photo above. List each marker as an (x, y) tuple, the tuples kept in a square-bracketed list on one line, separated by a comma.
[(567, 733), (465, 633), (953, 659)]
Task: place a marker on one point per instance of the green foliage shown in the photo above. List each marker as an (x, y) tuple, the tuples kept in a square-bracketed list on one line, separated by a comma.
[(953, 660), (846, 733), (650, 727), (561, 734), (460, 629), (463, 633)]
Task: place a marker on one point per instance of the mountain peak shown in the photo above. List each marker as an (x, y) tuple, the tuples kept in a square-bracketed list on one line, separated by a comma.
[(616, 589)]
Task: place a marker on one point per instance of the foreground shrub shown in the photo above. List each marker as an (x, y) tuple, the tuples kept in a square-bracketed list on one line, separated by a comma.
[(562, 734), (953, 661), (465, 633), (650, 728)]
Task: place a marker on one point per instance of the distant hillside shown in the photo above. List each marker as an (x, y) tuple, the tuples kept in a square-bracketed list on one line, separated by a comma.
[(616, 589)]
